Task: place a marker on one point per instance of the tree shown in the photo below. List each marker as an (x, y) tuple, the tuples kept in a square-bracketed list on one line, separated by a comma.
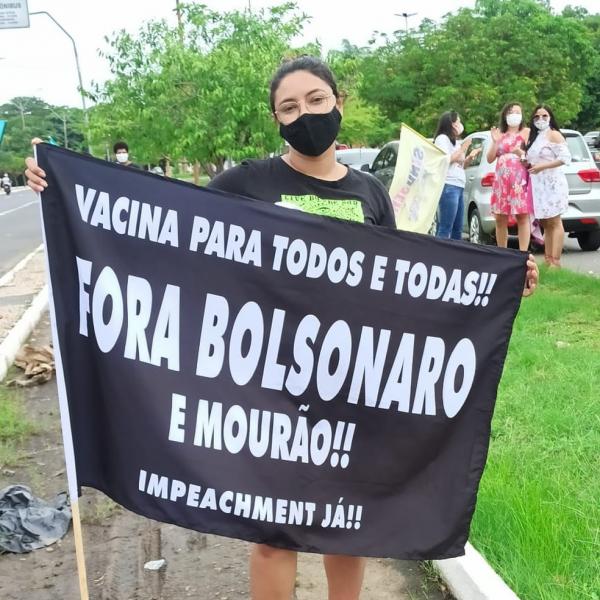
[(478, 59), (29, 117), (198, 91)]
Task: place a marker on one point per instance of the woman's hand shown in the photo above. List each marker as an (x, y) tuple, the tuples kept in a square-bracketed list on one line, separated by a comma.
[(36, 177), (535, 169), (518, 150), (474, 153), (532, 276), (496, 134)]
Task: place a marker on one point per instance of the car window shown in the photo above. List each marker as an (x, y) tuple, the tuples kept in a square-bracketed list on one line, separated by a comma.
[(476, 143), (378, 163), (577, 147), (392, 157)]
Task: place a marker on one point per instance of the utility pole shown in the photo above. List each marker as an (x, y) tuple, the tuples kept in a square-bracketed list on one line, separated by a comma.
[(81, 91), (63, 118), (405, 15), (179, 23), (21, 108)]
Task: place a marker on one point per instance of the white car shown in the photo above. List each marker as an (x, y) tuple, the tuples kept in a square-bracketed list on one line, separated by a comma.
[(360, 159)]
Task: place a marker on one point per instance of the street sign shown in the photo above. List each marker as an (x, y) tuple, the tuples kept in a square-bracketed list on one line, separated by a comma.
[(13, 14), (2, 126)]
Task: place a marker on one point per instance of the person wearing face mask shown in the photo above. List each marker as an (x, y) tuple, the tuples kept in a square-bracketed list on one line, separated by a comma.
[(547, 152), (509, 194), (451, 206), (121, 150), (307, 107)]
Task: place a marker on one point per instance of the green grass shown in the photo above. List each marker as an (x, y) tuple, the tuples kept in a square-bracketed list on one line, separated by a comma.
[(14, 425), (538, 513)]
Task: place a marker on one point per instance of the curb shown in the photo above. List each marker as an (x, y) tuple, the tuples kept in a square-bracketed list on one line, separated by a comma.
[(21, 331), (470, 577)]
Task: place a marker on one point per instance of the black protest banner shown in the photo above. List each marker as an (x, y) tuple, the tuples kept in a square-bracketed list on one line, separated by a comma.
[(252, 371)]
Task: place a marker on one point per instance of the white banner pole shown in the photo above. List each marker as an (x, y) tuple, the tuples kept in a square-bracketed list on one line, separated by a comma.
[(65, 421)]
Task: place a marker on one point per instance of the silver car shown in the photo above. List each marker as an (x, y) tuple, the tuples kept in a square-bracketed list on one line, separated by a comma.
[(582, 218)]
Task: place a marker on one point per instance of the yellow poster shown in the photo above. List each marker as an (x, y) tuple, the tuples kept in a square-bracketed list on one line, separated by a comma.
[(418, 181)]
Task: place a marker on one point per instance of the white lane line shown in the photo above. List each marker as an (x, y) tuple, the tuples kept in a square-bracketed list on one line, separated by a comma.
[(8, 277), (6, 212)]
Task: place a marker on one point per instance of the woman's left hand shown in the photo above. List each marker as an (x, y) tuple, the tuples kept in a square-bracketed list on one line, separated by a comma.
[(535, 169), (532, 277)]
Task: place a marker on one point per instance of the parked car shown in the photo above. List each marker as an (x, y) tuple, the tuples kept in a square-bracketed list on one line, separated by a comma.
[(357, 158), (582, 218), (384, 163), (383, 169), (591, 138)]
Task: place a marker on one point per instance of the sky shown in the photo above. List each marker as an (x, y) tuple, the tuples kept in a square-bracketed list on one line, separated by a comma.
[(39, 60)]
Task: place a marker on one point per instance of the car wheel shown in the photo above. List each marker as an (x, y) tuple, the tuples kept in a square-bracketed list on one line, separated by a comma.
[(589, 240), (476, 233)]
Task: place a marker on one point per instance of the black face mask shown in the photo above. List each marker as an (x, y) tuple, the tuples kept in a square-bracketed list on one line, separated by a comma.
[(312, 134)]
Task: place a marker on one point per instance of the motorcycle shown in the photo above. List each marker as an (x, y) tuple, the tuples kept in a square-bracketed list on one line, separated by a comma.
[(6, 188)]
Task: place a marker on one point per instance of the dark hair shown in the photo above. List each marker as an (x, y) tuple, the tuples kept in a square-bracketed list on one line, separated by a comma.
[(120, 146), (533, 133), (503, 124), (445, 125), (303, 63)]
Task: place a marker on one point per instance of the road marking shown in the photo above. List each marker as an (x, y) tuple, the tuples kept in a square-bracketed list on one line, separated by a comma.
[(8, 277), (6, 212)]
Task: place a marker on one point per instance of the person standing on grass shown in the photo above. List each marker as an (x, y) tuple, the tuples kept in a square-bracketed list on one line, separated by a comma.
[(509, 194), (547, 152)]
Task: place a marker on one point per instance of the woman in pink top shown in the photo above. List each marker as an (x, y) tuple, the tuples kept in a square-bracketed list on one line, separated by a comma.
[(509, 194)]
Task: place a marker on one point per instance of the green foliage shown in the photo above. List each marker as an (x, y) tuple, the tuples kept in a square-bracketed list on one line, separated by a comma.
[(199, 91), (365, 125), (477, 60), (29, 117)]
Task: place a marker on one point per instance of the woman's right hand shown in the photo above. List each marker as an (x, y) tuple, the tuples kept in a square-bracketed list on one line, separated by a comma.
[(36, 177), (496, 134)]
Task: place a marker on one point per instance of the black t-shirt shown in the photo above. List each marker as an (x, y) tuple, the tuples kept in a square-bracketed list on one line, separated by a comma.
[(355, 197)]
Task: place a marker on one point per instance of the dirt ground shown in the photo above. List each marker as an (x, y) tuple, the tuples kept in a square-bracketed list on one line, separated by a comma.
[(118, 543)]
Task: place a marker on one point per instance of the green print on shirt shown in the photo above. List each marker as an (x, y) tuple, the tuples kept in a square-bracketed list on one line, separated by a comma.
[(350, 210)]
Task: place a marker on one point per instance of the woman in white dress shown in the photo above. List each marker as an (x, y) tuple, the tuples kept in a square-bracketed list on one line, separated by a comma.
[(547, 152)]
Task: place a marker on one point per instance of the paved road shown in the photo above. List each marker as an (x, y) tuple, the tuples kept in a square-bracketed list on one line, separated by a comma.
[(20, 234), (584, 262), (20, 231)]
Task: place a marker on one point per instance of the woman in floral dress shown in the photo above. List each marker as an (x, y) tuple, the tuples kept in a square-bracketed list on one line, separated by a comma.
[(547, 152), (509, 194)]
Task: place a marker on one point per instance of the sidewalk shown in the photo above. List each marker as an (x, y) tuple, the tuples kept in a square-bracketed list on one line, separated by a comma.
[(118, 543)]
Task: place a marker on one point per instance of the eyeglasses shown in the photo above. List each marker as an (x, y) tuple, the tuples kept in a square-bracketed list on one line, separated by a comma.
[(318, 103), (544, 117)]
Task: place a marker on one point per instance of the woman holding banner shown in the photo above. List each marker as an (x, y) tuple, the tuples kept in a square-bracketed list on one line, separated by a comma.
[(509, 194), (307, 107)]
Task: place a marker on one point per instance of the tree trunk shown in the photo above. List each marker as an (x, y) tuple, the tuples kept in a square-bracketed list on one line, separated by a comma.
[(196, 173)]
